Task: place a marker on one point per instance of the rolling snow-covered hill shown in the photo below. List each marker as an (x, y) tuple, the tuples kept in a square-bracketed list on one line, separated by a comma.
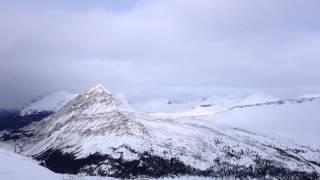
[(292, 118), (38, 109), (211, 105), (96, 134), (50, 103), (204, 106), (296, 119)]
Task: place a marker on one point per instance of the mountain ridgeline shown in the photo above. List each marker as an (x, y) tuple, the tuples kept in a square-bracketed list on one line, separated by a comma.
[(96, 134)]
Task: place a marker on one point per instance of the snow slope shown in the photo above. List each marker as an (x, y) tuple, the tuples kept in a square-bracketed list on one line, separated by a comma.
[(297, 119), (17, 167), (52, 102)]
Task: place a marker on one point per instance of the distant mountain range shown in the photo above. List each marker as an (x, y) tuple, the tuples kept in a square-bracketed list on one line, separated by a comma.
[(95, 133)]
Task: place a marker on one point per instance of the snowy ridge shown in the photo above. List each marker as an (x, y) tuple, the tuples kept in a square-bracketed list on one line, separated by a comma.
[(95, 124), (256, 98), (167, 105), (213, 105), (52, 103), (208, 107)]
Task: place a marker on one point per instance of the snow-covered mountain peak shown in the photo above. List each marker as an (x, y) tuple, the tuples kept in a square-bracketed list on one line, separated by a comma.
[(96, 100), (99, 88), (92, 117)]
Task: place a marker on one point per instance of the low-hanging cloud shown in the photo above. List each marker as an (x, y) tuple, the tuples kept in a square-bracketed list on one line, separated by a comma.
[(158, 45)]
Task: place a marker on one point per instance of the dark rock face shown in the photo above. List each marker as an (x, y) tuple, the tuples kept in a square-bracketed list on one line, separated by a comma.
[(206, 105), (14, 123), (15, 134), (154, 166), (12, 119)]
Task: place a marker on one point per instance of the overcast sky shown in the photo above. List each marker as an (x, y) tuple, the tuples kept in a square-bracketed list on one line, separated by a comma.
[(158, 47)]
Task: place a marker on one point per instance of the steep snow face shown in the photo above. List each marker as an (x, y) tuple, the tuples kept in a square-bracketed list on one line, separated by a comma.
[(51, 103), (97, 134), (18, 167)]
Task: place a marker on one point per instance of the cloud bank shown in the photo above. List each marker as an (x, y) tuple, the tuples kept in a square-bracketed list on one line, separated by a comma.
[(158, 47)]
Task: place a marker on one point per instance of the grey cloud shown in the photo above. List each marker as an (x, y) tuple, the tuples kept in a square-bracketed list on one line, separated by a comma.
[(159, 45)]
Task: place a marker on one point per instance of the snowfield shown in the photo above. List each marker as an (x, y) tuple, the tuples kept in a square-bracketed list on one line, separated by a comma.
[(298, 122), (295, 119)]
